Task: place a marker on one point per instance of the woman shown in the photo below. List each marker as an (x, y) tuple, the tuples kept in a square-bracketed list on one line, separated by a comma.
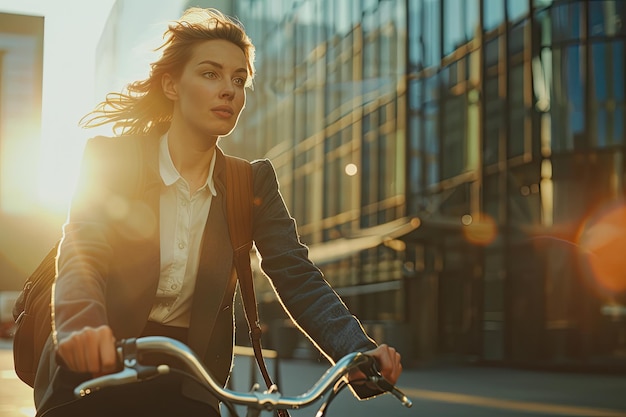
[(129, 267)]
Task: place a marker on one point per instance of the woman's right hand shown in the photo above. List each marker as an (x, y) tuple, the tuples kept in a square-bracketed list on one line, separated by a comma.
[(90, 350)]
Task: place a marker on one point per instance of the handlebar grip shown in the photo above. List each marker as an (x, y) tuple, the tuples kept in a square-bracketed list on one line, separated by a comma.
[(370, 369), (369, 366), (125, 376)]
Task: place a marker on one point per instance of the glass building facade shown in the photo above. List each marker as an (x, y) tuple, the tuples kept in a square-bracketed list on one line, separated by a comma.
[(446, 162)]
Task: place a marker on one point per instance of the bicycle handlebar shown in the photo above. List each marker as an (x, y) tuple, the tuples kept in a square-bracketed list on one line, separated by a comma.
[(268, 400)]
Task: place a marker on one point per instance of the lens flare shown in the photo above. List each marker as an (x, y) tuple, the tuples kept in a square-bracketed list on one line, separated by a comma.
[(603, 238)]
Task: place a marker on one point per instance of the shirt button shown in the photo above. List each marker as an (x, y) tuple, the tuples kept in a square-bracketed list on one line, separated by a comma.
[(184, 203), (181, 245), (174, 286)]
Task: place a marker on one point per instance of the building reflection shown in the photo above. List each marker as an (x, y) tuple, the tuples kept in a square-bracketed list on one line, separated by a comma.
[(497, 125)]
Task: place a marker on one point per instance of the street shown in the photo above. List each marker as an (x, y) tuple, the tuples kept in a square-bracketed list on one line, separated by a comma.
[(440, 391)]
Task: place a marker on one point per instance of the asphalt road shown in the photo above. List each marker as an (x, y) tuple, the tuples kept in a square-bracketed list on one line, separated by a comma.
[(442, 391)]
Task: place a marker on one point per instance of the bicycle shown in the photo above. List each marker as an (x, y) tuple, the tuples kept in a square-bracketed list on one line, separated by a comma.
[(330, 384)]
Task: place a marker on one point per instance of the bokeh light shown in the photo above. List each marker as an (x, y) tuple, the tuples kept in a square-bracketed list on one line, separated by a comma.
[(351, 169), (480, 231)]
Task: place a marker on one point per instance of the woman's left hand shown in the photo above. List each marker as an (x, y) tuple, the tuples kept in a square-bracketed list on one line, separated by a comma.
[(388, 362)]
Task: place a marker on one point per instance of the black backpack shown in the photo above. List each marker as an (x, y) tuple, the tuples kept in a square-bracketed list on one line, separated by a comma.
[(32, 318)]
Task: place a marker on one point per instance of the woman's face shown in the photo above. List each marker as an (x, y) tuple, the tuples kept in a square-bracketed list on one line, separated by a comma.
[(210, 93)]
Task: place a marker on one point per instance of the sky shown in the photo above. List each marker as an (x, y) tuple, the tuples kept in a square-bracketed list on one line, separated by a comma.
[(72, 29)]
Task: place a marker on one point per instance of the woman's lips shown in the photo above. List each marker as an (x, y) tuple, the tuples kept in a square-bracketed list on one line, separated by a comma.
[(223, 112)]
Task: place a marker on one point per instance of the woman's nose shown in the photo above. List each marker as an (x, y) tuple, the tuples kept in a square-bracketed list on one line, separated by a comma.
[(228, 91)]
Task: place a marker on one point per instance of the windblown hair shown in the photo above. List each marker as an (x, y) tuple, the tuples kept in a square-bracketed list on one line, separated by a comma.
[(143, 108)]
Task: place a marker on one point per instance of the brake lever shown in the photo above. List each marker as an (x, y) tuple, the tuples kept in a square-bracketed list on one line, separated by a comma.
[(387, 386), (125, 376)]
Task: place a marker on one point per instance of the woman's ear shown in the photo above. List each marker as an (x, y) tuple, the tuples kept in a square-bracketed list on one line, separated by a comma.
[(168, 85)]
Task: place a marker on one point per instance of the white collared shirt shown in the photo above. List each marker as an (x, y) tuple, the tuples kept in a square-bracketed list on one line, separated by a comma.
[(183, 218)]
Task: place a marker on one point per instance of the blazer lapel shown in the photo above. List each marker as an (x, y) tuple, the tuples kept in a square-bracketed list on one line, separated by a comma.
[(215, 272)]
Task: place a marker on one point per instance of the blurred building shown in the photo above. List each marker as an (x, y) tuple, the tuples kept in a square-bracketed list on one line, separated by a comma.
[(446, 161), (455, 166), (21, 76)]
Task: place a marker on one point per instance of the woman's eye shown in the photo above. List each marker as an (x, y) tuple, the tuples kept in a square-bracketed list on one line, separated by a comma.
[(240, 81), (210, 75)]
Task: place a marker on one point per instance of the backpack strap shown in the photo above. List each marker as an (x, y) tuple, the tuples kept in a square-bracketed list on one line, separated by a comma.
[(239, 202)]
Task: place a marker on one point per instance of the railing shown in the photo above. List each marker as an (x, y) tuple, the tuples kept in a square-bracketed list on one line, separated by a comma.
[(254, 370)]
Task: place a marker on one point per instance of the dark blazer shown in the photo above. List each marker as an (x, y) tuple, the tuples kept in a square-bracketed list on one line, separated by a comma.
[(109, 261)]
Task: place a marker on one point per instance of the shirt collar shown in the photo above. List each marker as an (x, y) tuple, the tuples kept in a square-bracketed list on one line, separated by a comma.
[(169, 173)]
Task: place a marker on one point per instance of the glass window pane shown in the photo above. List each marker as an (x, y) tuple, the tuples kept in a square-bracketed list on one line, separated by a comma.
[(516, 38), (347, 86), (346, 15), (432, 89), (454, 146), (414, 34), (567, 20), (472, 18), (618, 133), (332, 85), (606, 18), (492, 196), (517, 116), (415, 161), (384, 150), (431, 130), (493, 122), (431, 137), (607, 93), (568, 115), (415, 94), (370, 59), (346, 181), (516, 8), (493, 11), (366, 174), (618, 52), (460, 22), (387, 43), (523, 195), (453, 34), (432, 43), (330, 187), (600, 68), (599, 137), (369, 174), (492, 52), (542, 3)]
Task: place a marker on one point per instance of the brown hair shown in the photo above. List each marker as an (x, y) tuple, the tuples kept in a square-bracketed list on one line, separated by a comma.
[(144, 108)]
